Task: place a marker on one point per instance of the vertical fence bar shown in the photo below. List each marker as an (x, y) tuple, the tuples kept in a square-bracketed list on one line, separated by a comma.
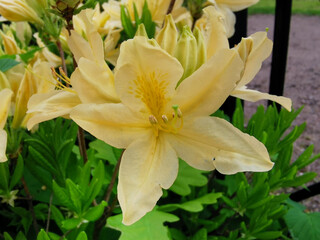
[(240, 31), (280, 47)]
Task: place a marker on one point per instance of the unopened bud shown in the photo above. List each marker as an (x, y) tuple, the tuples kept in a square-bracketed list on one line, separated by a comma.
[(186, 52)]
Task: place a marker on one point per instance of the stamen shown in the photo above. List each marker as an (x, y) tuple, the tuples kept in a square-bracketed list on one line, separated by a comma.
[(165, 118), (153, 120)]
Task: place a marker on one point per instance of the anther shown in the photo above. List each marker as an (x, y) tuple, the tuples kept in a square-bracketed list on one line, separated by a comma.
[(153, 120), (165, 118)]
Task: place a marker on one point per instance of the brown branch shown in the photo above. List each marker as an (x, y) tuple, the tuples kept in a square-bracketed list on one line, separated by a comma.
[(49, 213), (113, 180), (82, 144), (61, 53), (31, 209), (171, 5)]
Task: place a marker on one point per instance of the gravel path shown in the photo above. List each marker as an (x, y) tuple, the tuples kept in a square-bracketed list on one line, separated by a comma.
[(302, 80)]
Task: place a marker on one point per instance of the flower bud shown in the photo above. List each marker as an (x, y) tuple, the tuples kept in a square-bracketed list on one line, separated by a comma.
[(201, 47), (186, 52), (168, 35)]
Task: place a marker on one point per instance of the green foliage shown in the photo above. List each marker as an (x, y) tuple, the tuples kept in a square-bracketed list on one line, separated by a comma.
[(302, 225), (130, 27), (149, 227), (6, 63), (187, 176)]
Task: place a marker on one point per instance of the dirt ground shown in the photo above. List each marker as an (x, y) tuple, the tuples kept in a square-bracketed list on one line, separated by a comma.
[(302, 82)]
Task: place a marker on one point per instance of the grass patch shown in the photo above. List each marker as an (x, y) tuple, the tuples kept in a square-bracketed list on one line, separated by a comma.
[(305, 7)]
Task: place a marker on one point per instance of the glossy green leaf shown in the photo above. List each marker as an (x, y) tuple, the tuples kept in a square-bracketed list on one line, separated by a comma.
[(71, 223), (95, 212), (303, 225), (82, 236), (105, 151), (149, 227), (195, 205), (201, 235), (18, 172), (42, 235), (7, 63)]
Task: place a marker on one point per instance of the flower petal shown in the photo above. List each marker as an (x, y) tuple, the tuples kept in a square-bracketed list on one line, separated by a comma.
[(94, 83), (253, 51), (229, 150), (207, 88), (214, 30), (237, 5), (3, 145), (5, 96), (148, 164), (46, 106), (254, 96), (113, 123), (91, 49), (142, 69)]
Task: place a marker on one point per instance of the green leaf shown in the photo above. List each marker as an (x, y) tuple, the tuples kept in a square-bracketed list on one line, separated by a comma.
[(71, 223), (28, 55), (95, 212), (82, 236), (200, 235), (126, 22), (21, 236), (7, 63), (76, 195), (105, 151), (62, 196), (7, 236), (187, 176), (268, 235), (195, 205), (303, 225), (42, 235), (149, 227), (299, 181), (18, 172), (4, 177)]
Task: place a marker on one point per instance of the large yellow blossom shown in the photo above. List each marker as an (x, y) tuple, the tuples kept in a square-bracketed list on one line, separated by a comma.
[(252, 50), (157, 122), (5, 96)]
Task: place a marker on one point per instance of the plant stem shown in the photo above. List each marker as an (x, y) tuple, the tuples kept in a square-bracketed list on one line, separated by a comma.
[(63, 60), (81, 139), (113, 180), (82, 144), (171, 5), (31, 209), (49, 213)]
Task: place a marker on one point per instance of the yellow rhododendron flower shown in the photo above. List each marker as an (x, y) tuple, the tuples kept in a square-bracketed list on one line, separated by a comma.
[(158, 122), (19, 10), (5, 96), (36, 79), (252, 50)]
